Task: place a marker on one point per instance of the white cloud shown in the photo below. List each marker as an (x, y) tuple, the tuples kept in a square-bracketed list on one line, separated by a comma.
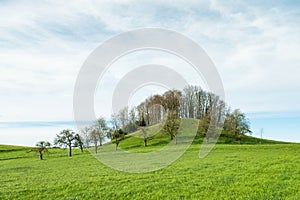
[(43, 45), (255, 50)]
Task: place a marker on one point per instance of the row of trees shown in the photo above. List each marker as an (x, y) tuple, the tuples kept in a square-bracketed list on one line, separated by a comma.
[(92, 135), (66, 139), (192, 102)]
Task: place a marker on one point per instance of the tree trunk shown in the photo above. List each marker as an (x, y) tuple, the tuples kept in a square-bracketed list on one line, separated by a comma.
[(70, 151), (117, 144), (95, 143), (41, 156), (172, 137), (145, 142)]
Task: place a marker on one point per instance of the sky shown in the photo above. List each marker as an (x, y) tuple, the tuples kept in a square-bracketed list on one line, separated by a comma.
[(254, 45)]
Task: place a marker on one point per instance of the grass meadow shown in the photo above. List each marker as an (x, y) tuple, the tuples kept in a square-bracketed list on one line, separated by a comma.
[(230, 171)]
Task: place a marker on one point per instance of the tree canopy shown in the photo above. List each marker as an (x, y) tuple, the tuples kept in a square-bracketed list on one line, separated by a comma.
[(66, 138)]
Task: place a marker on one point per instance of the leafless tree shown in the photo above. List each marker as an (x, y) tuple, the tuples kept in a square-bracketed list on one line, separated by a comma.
[(42, 147)]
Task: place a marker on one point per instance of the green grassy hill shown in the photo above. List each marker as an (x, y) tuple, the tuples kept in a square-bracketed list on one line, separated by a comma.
[(230, 171), (134, 141)]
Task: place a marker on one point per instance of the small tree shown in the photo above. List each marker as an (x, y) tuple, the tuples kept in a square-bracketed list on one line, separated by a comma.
[(101, 129), (79, 142), (94, 138), (204, 125), (66, 138), (41, 147), (85, 132), (145, 135), (117, 135), (237, 125), (171, 124)]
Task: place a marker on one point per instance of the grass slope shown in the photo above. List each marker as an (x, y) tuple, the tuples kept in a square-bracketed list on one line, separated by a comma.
[(230, 171), (134, 141)]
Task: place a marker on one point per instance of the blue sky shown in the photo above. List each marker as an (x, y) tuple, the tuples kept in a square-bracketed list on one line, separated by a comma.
[(255, 46)]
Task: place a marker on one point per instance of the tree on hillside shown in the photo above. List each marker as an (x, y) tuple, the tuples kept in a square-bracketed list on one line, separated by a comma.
[(188, 100), (94, 139), (204, 125), (94, 134), (123, 117), (191, 102), (145, 134), (42, 147), (85, 133), (171, 102), (66, 138), (78, 142), (100, 129), (117, 135), (141, 121), (237, 125), (131, 126), (171, 124), (115, 121)]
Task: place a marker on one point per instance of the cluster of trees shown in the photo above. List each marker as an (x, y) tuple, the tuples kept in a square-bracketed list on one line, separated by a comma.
[(236, 125), (66, 139), (95, 134), (92, 135), (192, 102)]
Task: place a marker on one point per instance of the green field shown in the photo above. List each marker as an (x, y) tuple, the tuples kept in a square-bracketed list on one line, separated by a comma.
[(230, 171)]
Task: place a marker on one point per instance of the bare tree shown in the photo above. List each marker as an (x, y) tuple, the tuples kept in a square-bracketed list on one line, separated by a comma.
[(85, 132), (115, 121), (101, 129), (145, 134), (130, 121), (94, 139), (171, 125), (65, 138), (172, 101), (189, 99), (123, 117), (42, 147), (79, 142), (117, 135)]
